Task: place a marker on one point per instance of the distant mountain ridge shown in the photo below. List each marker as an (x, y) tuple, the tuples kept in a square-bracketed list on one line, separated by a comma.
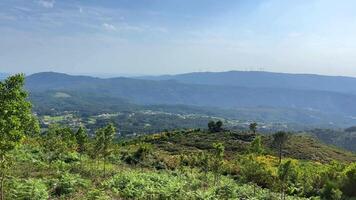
[(3, 76), (266, 80), (173, 92), (321, 105)]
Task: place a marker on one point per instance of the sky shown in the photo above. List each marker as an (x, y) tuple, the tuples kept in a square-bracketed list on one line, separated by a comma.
[(149, 37)]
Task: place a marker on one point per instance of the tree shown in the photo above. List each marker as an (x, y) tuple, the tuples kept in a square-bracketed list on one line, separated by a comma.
[(58, 140), (16, 120), (283, 173), (279, 139), (215, 126), (81, 137), (253, 127), (211, 126), (103, 141), (218, 153), (218, 126), (256, 146)]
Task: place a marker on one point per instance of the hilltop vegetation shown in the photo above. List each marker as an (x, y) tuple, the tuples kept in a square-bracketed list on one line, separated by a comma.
[(59, 165), (302, 147)]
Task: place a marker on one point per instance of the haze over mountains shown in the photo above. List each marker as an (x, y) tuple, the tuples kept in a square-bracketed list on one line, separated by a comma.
[(298, 97), (266, 80), (3, 76)]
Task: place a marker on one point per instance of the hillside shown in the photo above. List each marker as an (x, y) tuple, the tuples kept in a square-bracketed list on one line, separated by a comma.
[(338, 137), (301, 147), (173, 165)]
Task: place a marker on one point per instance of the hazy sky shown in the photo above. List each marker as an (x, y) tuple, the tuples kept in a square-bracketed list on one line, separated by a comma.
[(175, 36)]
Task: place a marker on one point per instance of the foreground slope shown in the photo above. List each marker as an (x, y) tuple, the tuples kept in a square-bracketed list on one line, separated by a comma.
[(173, 165)]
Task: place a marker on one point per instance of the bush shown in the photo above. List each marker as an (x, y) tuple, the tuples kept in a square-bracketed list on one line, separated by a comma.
[(176, 185), (349, 183), (254, 171), (96, 194), (34, 189), (139, 185), (67, 184), (331, 192)]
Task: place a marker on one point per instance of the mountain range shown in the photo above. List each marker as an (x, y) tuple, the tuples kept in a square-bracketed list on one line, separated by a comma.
[(321, 99), (258, 79), (3, 76)]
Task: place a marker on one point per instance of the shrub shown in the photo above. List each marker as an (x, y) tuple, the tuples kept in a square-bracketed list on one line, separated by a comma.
[(139, 185), (67, 184), (96, 194), (27, 189), (349, 183), (331, 192)]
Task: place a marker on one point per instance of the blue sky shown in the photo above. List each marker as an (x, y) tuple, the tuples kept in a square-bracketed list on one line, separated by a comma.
[(177, 36)]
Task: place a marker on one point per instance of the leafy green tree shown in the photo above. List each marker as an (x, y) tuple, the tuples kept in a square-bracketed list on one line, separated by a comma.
[(218, 126), (103, 141), (215, 126), (253, 127), (211, 126), (81, 137), (58, 141), (256, 146), (16, 120), (279, 139)]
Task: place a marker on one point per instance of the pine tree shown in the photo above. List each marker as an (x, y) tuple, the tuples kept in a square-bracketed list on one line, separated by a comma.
[(279, 139), (81, 137), (103, 141)]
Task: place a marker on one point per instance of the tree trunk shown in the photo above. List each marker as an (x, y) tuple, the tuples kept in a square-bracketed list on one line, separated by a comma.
[(282, 191), (280, 154), (2, 188), (104, 168), (254, 189), (2, 177)]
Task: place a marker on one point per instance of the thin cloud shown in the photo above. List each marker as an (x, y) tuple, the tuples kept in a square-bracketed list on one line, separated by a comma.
[(46, 3), (109, 27)]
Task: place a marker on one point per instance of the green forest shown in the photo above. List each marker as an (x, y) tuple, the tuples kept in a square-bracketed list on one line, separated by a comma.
[(65, 162)]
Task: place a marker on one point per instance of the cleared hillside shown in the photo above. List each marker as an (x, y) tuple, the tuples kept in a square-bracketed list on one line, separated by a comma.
[(298, 146)]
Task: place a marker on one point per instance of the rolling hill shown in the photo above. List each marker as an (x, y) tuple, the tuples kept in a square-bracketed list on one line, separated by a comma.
[(284, 104), (3, 76)]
